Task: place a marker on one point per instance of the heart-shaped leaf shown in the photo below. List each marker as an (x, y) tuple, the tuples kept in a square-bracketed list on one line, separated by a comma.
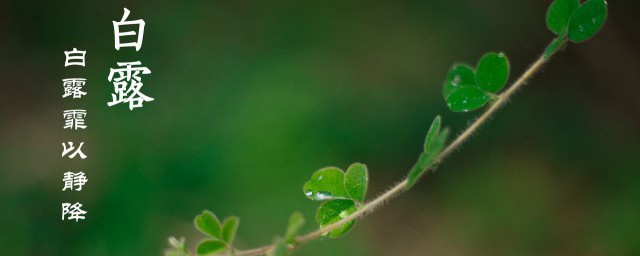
[(229, 229), (587, 20), (466, 89), (326, 184), (459, 76), (296, 221), (432, 134), (492, 71), (559, 13), (356, 180), (209, 247), (334, 211), (208, 224), (467, 99)]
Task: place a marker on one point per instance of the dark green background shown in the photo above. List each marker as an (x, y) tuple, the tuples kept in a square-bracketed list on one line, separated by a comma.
[(251, 97)]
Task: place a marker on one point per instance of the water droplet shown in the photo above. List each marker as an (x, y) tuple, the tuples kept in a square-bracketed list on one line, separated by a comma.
[(322, 196), (320, 177), (456, 80)]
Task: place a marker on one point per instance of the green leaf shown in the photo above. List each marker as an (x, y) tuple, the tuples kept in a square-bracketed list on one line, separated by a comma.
[(559, 13), (427, 159), (356, 180), (334, 211), (279, 248), (587, 20), (208, 247), (492, 71), (466, 99), (432, 134), (419, 168), (555, 46), (296, 221), (326, 184), (439, 144), (209, 224), (229, 229), (459, 76)]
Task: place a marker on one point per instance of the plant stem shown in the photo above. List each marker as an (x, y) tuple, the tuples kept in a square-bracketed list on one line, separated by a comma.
[(399, 188)]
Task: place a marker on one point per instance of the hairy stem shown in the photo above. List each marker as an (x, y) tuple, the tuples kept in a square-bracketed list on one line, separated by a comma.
[(399, 187)]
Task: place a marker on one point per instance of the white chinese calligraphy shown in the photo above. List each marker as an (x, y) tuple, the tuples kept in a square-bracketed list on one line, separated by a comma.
[(74, 119), (66, 150), (128, 84), (118, 34), (72, 180), (73, 212), (74, 57), (73, 86)]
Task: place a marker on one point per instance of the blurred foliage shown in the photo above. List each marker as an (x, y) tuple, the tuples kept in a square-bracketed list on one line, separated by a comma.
[(253, 96)]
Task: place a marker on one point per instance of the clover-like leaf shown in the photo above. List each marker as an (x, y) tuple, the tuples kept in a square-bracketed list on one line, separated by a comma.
[(296, 221), (466, 89), (467, 99), (356, 180), (210, 246), (559, 13), (229, 229), (326, 184), (587, 20), (492, 71), (459, 76), (333, 211), (208, 224), (434, 129)]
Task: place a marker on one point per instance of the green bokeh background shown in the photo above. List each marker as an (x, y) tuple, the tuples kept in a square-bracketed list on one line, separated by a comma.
[(251, 97)]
